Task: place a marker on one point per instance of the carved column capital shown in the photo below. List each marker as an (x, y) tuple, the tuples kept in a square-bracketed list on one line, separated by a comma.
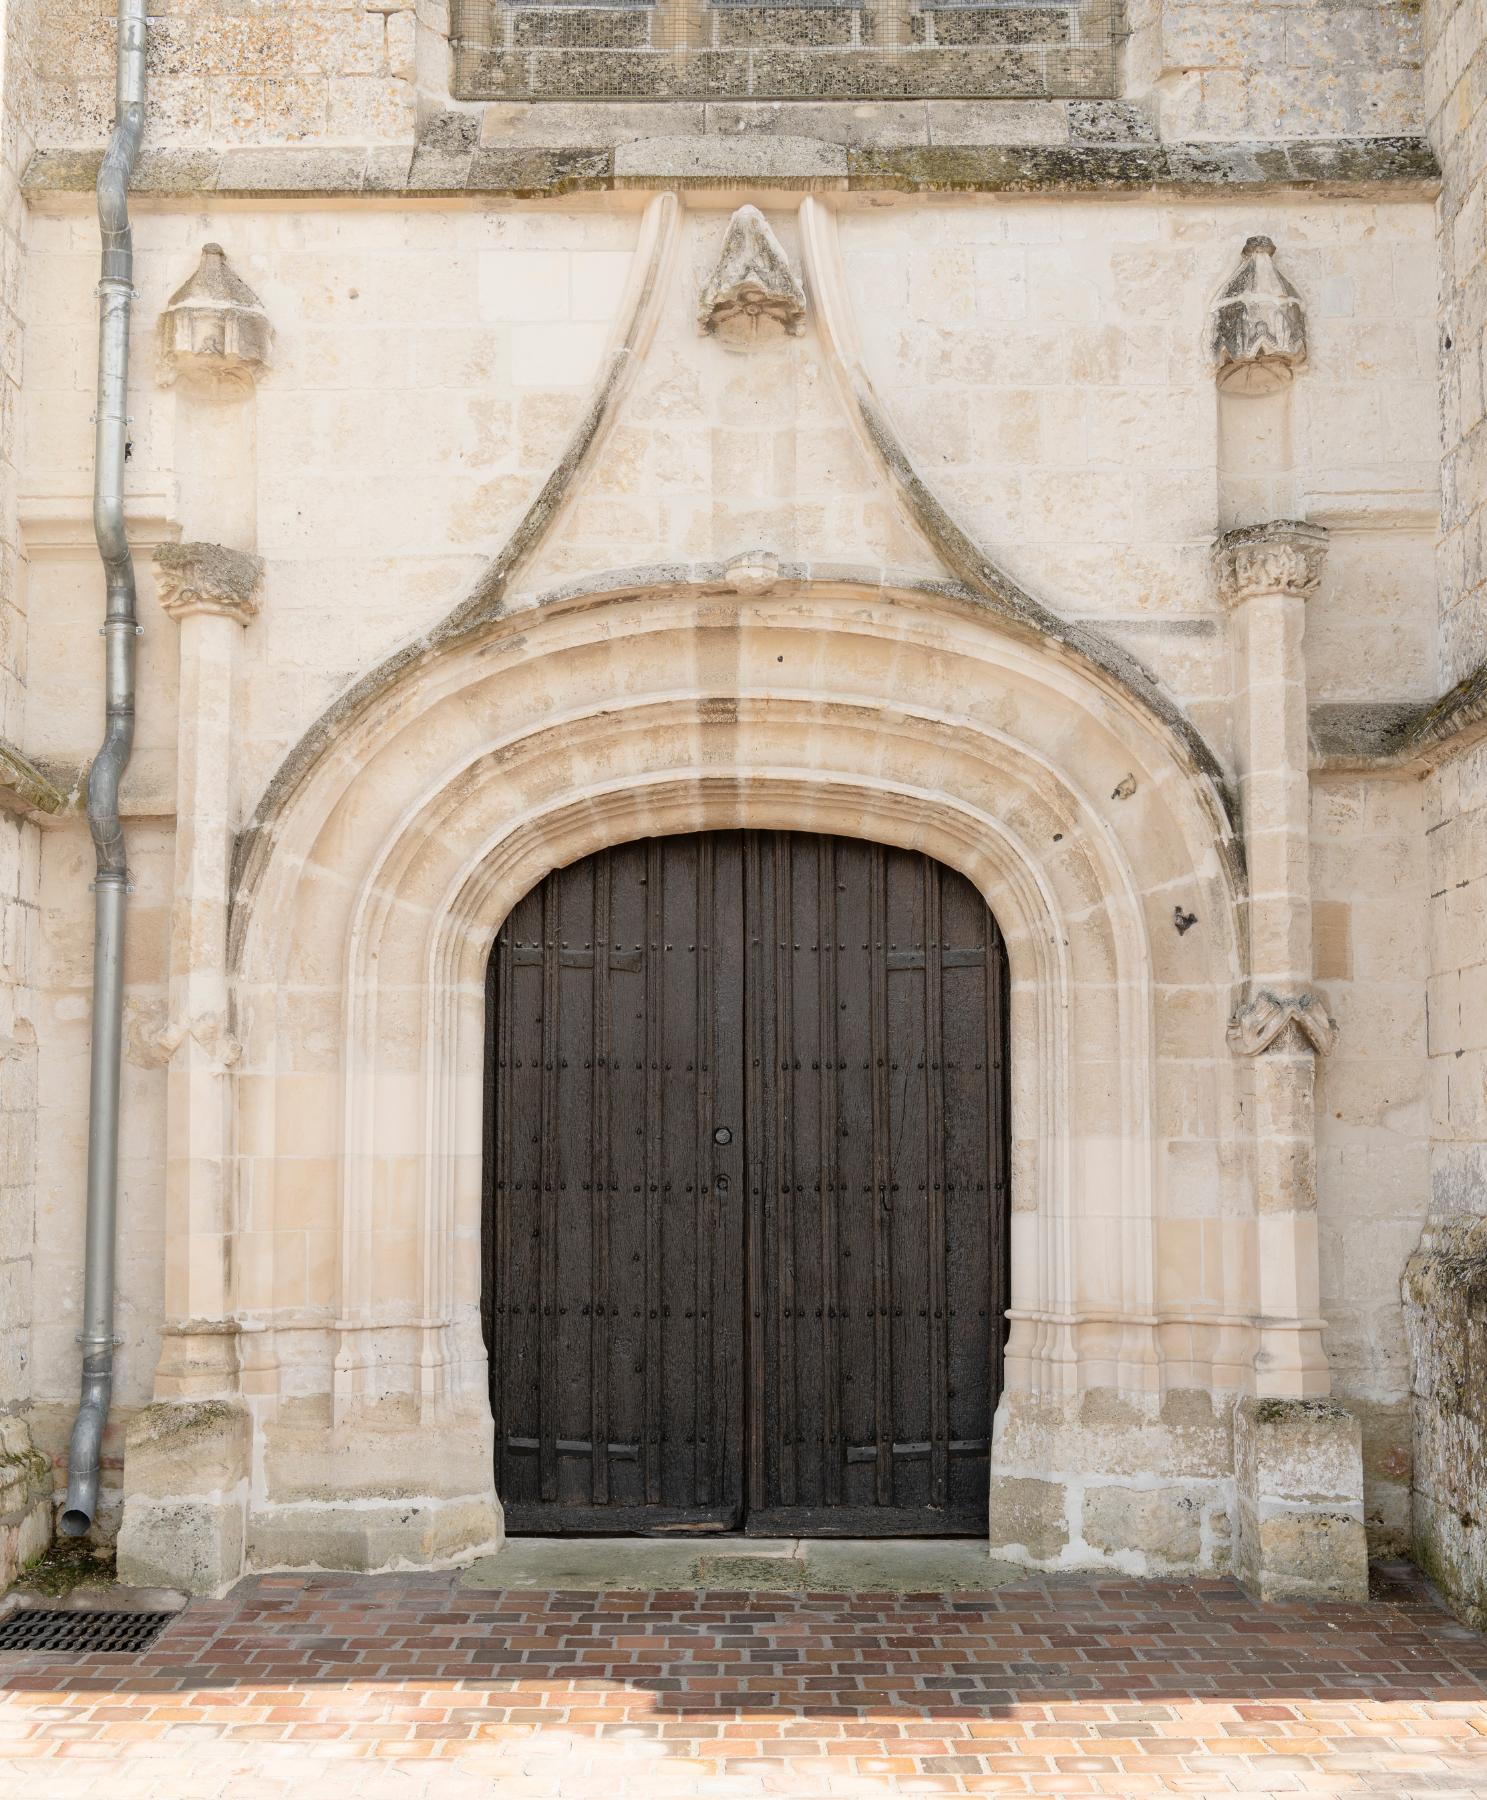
[(208, 578), (1264, 1020), (1284, 557)]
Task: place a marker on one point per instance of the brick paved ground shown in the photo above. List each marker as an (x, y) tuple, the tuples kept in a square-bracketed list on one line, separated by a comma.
[(410, 1686)]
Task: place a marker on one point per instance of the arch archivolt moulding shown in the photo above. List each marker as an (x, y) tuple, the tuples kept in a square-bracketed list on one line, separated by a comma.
[(897, 715)]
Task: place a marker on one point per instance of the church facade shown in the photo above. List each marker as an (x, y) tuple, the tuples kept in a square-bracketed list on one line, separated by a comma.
[(805, 841)]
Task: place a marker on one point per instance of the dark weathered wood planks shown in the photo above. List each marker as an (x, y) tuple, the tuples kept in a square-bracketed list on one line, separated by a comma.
[(745, 1237)]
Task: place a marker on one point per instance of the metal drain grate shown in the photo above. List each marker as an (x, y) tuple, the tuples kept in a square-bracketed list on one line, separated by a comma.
[(81, 1633)]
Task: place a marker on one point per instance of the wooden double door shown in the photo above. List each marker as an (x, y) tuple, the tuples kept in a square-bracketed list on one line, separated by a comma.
[(745, 1241)]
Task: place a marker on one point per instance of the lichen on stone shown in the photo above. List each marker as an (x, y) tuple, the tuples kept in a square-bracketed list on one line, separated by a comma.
[(67, 1565)]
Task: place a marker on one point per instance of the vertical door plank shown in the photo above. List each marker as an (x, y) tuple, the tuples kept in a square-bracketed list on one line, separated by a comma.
[(547, 1349), (727, 1172), (759, 1111), (882, 1223), (830, 1201), (703, 1208), (781, 1315), (655, 1122), (934, 1139), (601, 935)]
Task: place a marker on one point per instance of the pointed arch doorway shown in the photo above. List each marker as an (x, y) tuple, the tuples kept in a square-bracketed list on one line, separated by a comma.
[(746, 1191)]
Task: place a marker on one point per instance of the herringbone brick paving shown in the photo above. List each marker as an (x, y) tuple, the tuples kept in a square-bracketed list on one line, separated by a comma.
[(410, 1686)]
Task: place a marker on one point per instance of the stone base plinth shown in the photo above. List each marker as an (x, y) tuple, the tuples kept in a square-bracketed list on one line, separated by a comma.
[(424, 1533), (1111, 1480), (185, 1496), (343, 1498), (1298, 1477)]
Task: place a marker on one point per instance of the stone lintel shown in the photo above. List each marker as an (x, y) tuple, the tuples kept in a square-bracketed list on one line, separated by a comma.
[(1283, 557), (208, 578), (1371, 166)]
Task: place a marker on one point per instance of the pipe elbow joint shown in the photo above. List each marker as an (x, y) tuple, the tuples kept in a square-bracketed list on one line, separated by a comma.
[(109, 529), (85, 1453)]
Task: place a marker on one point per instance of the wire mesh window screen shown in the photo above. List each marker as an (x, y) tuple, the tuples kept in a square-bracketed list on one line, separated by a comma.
[(803, 49)]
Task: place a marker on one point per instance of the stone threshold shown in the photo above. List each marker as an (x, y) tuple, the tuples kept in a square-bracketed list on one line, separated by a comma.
[(743, 1564), (1375, 167)]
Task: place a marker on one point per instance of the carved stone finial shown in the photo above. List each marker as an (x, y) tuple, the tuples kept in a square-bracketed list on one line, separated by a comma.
[(1257, 337), (1260, 1025), (208, 578), (1283, 557), (752, 295), (214, 326)]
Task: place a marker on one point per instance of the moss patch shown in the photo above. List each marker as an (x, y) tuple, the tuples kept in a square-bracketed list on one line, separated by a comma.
[(69, 1564), (175, 1418)]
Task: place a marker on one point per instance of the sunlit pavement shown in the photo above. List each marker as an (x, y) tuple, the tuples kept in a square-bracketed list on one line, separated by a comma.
[(418, 1685)]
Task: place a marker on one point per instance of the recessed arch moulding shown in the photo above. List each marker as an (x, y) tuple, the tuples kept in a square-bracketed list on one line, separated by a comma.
[(891, 715), (950, 715)]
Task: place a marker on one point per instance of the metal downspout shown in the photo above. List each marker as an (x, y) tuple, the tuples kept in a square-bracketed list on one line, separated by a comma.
[(115, 296)]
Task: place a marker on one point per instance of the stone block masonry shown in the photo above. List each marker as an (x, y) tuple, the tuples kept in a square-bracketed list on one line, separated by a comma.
[(486, 558), (288, 72), (1303, 68), (1444, 1284), (1456, 102)]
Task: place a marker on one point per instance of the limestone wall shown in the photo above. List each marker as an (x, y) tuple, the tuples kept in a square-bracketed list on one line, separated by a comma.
[(366, 71), (1278, 68), (290, 71), (25, 1513), (1443, 1291), (20, 858), (1455, 66), (20, 847), (1044, 361), (1373, 1132)]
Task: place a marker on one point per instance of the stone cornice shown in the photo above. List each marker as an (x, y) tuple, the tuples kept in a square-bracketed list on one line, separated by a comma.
[(1285, 556), (706, 159), (208, 578), (23, 787), (1410, 737)]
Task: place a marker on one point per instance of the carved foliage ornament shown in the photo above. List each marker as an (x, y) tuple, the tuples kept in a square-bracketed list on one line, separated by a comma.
[(752, 295), (208, 578), (1257, 1027), (1257, 334), (1286, 557)]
